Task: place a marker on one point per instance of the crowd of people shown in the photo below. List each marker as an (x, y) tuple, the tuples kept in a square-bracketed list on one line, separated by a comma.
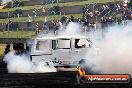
[(104, 14)]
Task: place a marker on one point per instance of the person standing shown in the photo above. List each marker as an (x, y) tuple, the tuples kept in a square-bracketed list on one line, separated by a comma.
[(36, 28), (34, 12), (29, 20), (43, 12), (7, 49)]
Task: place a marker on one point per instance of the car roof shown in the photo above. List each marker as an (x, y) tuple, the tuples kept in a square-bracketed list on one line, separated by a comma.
[(61, 37)]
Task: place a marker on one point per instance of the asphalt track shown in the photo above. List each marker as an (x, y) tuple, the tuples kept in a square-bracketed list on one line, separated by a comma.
[(47, 80)]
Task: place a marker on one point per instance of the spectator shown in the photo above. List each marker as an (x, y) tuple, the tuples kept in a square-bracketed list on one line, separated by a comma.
[(110, 21), (57, 24), (17, 3), (56, 9), (72, 18), (54, 25), (45, 20), (17, 12), (63, 19), (79, 21), (10, 21), (43, 12), (34, 12), (94, 26), (60, 25), (84, 18), (67, 20), (37, 28), (103, 21), (45, 25), (7, 49), (29, 21), (8, 25), (118, 7), (96, 13), (85, 9), (85, 25)]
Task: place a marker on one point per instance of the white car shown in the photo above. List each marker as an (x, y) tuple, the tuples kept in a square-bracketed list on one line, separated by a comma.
[(65, 52)]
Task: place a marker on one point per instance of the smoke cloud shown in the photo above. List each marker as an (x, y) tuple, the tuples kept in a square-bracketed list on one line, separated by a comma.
[(72, 29), (22, 64), (115, 51)]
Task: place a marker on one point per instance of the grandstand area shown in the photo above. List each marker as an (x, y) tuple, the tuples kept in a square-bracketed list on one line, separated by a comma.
[(19, 15)]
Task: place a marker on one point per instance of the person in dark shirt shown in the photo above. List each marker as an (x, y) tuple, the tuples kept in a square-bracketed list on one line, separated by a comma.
[(72, 18), (7, 49)]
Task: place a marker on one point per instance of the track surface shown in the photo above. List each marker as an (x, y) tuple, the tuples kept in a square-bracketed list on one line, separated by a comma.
[(45, 80)]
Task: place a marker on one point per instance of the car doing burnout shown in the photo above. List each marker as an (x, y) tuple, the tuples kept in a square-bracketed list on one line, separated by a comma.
[(64, 52)]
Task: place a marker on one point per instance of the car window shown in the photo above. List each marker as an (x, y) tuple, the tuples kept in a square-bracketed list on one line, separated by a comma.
[(81, 43), (61, 44), (43, 45)]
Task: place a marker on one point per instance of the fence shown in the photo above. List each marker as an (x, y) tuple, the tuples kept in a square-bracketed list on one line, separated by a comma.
[(20, 33)]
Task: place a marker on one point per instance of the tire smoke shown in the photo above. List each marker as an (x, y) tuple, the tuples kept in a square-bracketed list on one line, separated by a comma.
[(23, 64), (115, 51), (113, 56)]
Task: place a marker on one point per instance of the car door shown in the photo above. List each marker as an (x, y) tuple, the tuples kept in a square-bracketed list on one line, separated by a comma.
[(80, 52), (42, 47), (61, 51)]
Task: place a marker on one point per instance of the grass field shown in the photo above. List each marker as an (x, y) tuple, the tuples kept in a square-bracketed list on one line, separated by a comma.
[(17, 34), (60, 4)]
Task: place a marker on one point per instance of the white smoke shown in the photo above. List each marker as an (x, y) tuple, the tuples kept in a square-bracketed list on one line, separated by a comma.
[(113, 56), (22, 64), (72, 29), (115, 51), (43, 67)]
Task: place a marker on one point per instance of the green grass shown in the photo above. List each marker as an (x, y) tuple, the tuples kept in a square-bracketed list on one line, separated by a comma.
[(38, 18), (60, 4), (17, 34)]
